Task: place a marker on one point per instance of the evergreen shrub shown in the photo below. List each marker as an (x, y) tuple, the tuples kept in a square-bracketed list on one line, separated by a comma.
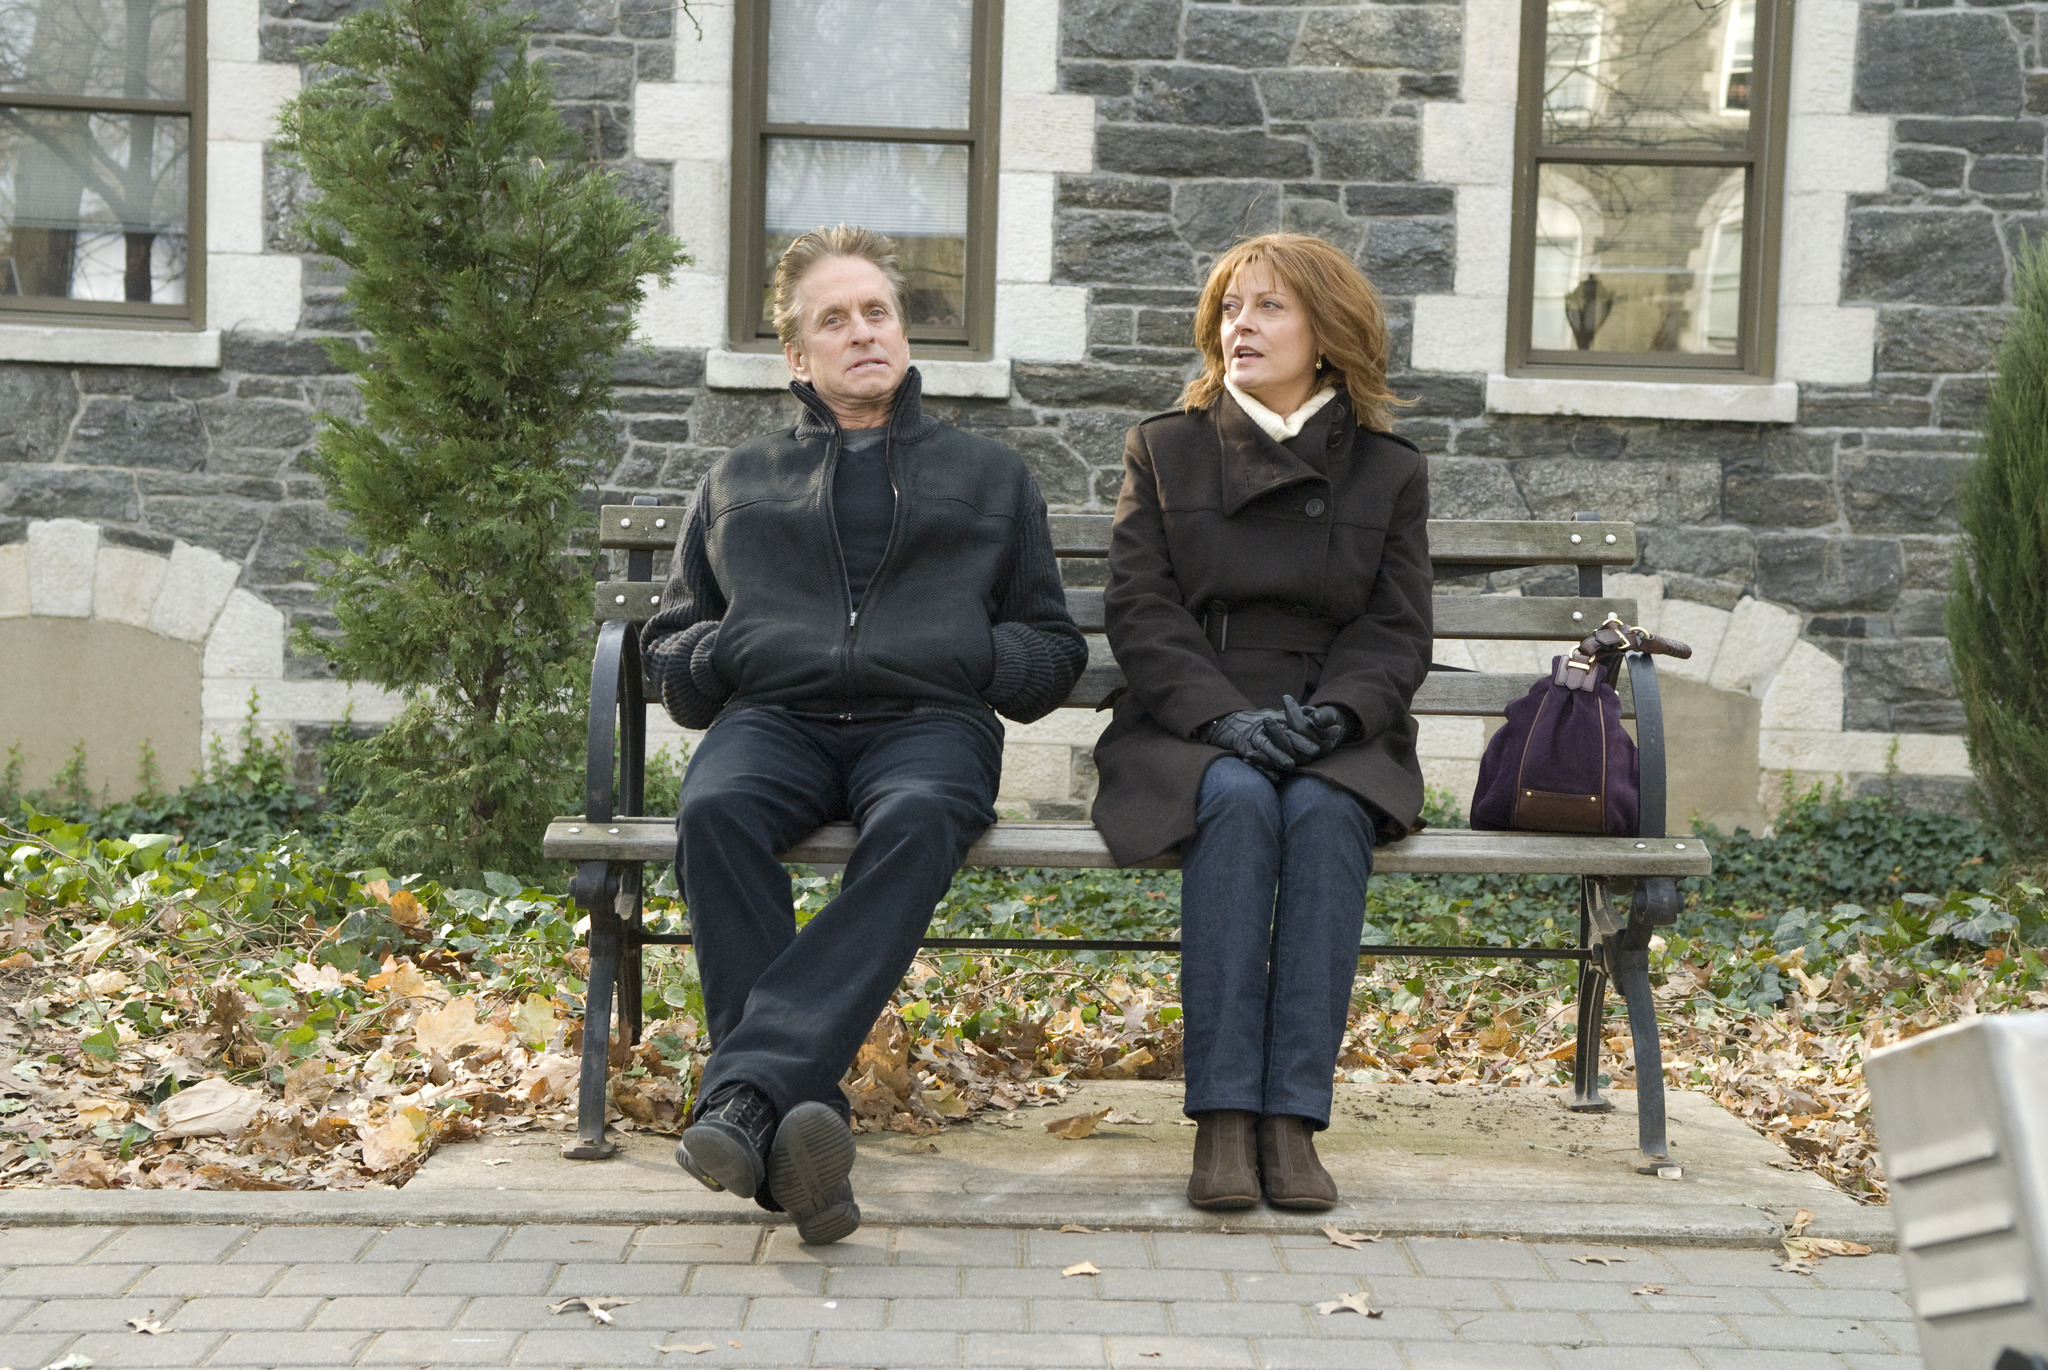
[(1998, 600), (494, 272)]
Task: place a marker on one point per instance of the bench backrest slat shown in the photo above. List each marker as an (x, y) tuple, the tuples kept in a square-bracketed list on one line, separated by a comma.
[(1513, 618), (1460, 542)]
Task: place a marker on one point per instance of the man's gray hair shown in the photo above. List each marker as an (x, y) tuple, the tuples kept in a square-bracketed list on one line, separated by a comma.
[(820, 245)]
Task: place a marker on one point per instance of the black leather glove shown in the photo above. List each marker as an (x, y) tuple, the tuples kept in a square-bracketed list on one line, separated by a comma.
[(1313, 732), (1253, 736)]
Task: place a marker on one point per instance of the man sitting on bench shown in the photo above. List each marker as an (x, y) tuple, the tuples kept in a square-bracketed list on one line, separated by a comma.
[(850, 600)]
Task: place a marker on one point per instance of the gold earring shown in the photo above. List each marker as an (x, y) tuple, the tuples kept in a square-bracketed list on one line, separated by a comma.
[(1319, 363)]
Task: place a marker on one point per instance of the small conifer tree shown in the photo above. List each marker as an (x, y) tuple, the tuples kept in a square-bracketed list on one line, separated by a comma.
[(495, 275), (1998, 603)]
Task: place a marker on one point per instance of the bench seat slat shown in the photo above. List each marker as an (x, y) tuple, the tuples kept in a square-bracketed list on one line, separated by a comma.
[(1464, 542), (1471, 693), (1438, 851)]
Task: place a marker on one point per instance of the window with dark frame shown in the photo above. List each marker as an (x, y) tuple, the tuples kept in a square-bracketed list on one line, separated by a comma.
[(1648, 169), (879, 113), (101, 160)]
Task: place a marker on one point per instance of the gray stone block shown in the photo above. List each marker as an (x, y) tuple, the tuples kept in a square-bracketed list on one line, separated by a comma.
[(1946, 62), (600, 75), (1893, 492), (1422, 38), (1774, 501), (541, 1242), (596, 1346), (576, 16), (1962, 401), (1215, 1251), (764, 1280), (1819, 573), (110, 1350), (929, 1314), (275, 356), (1923, 256), (1153, 150), (726, 418), (1063, 478), (1660, 492), (1938, 340), (956, 1246), (1900, 670), (370, 1313), (1429, 1297), (1411, 256), (1119, 28), (1863, 410), (1570, 1296), (59, 1245), (1931, 168), (616, 1277), (1096, 1315), (2021, 137), (1308, 96), (1323, 219), (163, 435), (1368, 149), (1191, 95), (288, 532), (1036, 1349), (1155, 1285), (1919, 613), (1273, 1318), (1096, 78), (1452, 1258), (1148, 389), (1299, 1353), (2006, 176), (36, 406), (1194, 1353), (457, 1347), (1166, 327), (1441, 1355), (1405, 200), (892, 1348), (823, 1315), (1211, 215), (1090, 245), (479, 1277), (1140, 194), (1239, 37), (1832, 1335), (154, 1245)]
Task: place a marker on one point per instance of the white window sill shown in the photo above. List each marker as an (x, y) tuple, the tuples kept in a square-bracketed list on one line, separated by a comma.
[(989, 380), (1712, 401), (108, 346)]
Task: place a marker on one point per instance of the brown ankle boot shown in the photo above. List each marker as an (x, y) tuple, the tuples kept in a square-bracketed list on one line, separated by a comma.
[(1294, 1177), (1226, 1173)]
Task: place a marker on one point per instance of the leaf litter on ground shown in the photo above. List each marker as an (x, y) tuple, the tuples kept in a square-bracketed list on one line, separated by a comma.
[(1349, 1303)]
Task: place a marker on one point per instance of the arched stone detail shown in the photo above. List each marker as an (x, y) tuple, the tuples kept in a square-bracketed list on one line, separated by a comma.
[(1754, 648), (65, 569)]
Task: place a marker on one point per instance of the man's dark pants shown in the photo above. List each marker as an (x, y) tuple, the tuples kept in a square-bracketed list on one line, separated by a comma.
[(788, 1010)]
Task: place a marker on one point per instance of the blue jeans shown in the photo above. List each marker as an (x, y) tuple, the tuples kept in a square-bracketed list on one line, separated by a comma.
[(788, 1009), (1272, 903)]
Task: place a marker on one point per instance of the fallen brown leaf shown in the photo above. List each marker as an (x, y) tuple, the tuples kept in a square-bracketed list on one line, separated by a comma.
[(211, 1108), (1081, 1268), (21, 960), (693, 1348), (591, 1304), (1118, 1118), (86, 1169), (1353, 1241), (1350, 1303), (1648, 1289), (1075, 1227), (1076, 1126), (1600, 1260), (147, 1325)]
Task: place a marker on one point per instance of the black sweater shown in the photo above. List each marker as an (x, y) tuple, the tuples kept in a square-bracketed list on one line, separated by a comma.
[(965, 612)]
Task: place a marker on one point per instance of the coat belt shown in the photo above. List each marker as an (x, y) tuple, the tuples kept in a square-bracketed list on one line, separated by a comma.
[(1268, 627)]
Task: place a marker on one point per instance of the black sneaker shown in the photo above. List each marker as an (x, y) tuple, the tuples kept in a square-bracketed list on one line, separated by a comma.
[(727, 1147), (808, 1165)]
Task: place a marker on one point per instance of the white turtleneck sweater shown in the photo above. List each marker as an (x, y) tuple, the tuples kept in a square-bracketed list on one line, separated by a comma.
[(1277, 428)]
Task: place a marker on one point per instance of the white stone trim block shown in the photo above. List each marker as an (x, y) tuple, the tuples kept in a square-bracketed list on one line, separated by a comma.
[(62, 556), (1041, 323), (126, 584), (1699, 626), (1460, 333), (1730, 401), (14, 601), (1024, 217), (1806, 694), (1646, 591), (1048, 132), (234, 30), (247, 641), (234, 197), (688, 312), (66, 345), (196, 585), (1758, 639), (675, 120), (258, 291), (1031, 47), (1826, 345), (224, 701), (243, 98), (704, 49)]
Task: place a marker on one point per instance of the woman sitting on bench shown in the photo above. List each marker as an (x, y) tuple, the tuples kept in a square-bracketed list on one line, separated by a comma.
[(1269, 602)]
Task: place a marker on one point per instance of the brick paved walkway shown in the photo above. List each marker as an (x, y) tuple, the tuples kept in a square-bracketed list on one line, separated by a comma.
[(321, 1296)]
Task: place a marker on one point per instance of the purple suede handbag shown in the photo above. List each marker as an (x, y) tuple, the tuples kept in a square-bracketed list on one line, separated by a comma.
[(1563, 762)]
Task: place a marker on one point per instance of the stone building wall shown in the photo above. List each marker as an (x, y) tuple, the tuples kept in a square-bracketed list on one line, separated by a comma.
[(1215, 120)]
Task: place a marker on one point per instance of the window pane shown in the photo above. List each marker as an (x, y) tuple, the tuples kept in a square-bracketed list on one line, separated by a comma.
[(914, 192), (1648, 73), (124, 49), (1638, 259), (92, 206), (888, 63)]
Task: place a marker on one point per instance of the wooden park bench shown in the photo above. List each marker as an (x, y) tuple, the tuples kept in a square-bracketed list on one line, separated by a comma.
[(612, 841)]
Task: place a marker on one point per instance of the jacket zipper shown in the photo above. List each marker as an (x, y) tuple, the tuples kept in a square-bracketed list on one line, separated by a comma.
[(845, 587), (874, 581)]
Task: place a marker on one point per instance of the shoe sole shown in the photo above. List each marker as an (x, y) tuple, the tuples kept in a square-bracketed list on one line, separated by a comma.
[(1225, 1203), (808, 1166), (1304, 1205), (720, 1158)]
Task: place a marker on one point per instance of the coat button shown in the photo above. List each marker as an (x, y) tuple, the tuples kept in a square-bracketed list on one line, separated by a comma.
[(1315, 508), (1336, 439)]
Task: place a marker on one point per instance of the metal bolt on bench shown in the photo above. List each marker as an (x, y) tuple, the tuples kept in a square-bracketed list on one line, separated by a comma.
[(613, 839)]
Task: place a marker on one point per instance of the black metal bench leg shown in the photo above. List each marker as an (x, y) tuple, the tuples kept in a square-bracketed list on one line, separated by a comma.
[(595, 891), (1631, 967), (631, 1005), (1592, 1005)]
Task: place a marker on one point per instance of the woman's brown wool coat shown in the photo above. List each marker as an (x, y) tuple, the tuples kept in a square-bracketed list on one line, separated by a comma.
[(1332, 524)]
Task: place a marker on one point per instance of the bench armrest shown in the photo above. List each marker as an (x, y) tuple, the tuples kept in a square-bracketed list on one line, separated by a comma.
[(615, 763), (1642, 674)]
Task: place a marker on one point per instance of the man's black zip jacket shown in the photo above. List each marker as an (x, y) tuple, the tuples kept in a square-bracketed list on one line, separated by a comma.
[(965, 612)]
